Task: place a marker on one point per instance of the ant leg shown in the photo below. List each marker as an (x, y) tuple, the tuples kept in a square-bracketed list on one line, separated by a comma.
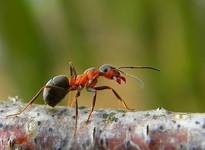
[(76, 112), (116, 94), (29, 103), (33, 99), (93, 106), (73, 73)]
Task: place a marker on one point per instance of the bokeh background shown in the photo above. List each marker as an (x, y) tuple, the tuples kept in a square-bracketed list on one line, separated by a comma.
[(38, 39)]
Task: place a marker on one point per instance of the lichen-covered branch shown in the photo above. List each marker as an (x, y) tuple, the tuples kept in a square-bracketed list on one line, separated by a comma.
[(42, 127)]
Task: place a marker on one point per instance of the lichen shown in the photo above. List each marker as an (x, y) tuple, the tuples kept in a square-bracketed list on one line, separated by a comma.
[(41, 127), (111, 117)]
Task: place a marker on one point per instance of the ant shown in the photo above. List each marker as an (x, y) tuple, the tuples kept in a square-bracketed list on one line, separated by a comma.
[(59, 86)]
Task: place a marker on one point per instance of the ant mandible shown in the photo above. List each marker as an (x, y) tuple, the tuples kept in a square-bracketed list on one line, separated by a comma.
[(59, 86)]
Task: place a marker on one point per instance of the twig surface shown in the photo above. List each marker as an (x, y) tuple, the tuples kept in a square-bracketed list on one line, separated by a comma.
[(42, 127)]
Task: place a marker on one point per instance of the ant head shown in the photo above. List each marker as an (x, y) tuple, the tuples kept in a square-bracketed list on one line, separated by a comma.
[(52, 96), (112, 73)]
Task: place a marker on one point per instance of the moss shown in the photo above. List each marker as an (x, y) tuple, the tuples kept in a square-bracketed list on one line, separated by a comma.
[(82, 107), (111, 117), (121, 111)]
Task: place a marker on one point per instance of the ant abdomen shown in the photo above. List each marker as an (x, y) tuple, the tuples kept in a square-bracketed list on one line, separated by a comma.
[(53, 95)]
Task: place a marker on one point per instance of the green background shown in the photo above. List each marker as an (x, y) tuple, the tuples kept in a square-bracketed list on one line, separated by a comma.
[(38, 39)]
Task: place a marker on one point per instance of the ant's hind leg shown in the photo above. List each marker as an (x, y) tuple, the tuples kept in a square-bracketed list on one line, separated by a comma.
[(29, 103), (33, 99)]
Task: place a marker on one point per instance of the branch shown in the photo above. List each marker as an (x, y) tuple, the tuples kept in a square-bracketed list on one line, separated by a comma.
[(42, 127)]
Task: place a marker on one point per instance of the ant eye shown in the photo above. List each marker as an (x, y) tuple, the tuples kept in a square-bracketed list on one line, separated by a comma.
[(105, 68)]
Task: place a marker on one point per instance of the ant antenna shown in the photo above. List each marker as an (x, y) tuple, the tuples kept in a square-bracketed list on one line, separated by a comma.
[(141, 83), (139, 67)]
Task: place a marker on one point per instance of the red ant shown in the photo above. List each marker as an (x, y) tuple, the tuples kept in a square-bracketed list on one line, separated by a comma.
[(59, 86)]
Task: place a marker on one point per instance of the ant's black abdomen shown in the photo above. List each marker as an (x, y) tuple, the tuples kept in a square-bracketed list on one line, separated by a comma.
[(53, 95)]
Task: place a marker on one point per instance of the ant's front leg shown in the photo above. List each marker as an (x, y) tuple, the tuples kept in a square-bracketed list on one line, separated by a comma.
[(95, 89), (116, 94)]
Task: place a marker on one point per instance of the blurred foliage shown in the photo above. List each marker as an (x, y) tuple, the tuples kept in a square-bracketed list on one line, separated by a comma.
[(39, 38)]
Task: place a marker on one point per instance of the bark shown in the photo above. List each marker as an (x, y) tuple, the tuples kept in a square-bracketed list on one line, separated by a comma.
[(42, 127)]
